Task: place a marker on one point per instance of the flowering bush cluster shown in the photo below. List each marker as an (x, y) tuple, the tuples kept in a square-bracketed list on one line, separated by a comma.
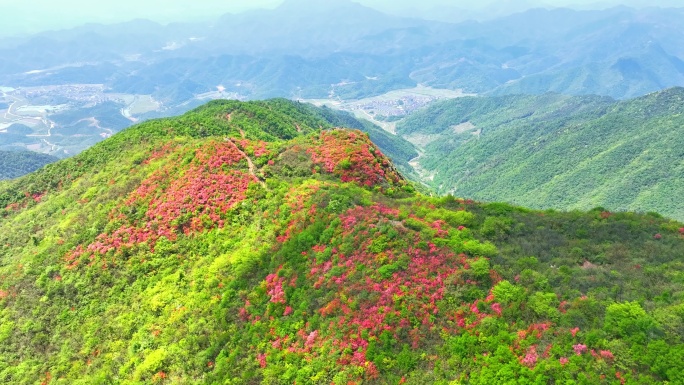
[(353, 157), (254, 148), (579, 349), (373, 291), (395, 291), (380, 280), (175, 200), (25, 201)]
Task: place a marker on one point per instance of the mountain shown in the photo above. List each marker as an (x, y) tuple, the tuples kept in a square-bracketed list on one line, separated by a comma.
[(619, 52), (313, 29), (17, 163), (448, 11), (556, 151), (254, 243), (335, 52)]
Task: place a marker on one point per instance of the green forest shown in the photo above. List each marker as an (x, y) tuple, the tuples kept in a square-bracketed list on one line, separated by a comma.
[(18, 163), (260, 243), (557, 151)]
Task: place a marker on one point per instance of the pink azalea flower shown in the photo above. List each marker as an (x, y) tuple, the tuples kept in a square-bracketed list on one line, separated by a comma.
[(579, 349)]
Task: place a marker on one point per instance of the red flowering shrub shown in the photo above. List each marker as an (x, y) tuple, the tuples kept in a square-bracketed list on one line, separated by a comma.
[(161, 152), (353, 157), (255, 148), (176, 201), (37, 196), (261, 358), (23, 203), (274, 284), (374, 290), (579, 348), (531, 357)]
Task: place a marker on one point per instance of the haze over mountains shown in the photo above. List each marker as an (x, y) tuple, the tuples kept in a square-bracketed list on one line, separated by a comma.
[(335, 50), (33, 16), (619, 52)]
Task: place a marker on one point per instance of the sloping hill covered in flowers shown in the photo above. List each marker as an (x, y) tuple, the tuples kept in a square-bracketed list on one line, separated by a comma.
[(249, 243)]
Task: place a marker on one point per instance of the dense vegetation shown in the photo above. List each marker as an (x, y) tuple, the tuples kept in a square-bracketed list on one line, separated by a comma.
[(555, 151), (17, 163), (241, 244)]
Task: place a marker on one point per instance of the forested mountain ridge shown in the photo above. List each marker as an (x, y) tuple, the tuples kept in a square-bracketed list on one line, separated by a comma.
[(253, 242), (556, 151), (17, 163)]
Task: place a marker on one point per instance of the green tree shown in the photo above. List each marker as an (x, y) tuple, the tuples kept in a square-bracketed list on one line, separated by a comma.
[(629, 320)]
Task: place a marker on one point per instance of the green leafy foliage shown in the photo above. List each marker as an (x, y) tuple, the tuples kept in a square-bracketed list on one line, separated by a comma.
[(240, 244), (556, 151)]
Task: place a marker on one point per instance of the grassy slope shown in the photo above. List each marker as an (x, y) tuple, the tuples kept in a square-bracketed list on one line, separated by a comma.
[(163, 256), (559, 151)]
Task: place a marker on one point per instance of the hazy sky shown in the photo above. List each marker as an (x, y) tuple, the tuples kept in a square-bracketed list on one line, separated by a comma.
[(23, 16)]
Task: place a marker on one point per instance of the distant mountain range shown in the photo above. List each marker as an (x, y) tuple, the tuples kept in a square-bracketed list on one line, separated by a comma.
[(454, 12), (556, 151), (304, 48)]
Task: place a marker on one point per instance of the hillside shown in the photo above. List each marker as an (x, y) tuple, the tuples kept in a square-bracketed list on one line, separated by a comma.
[(555, 151), (17, 163), (242, 244)]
